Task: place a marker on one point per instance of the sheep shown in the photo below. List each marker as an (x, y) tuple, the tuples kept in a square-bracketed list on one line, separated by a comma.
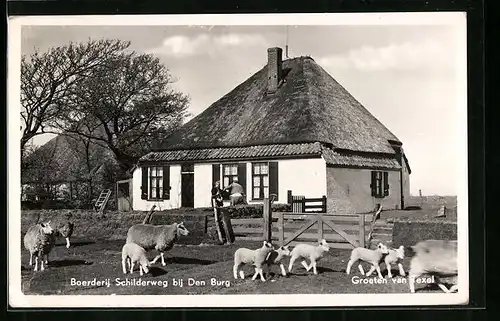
[(275, 257), (159, 237), (370, 256), (65, 229), (133, 253), (39, 241), (435, 257), (308, 251), (256, 257), (395, 256)]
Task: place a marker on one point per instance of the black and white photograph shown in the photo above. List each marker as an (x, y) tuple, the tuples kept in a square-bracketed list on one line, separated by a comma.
[(238, 160)]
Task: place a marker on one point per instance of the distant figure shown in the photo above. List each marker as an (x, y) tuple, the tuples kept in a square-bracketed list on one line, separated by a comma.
[(217, 195), (236, 192)]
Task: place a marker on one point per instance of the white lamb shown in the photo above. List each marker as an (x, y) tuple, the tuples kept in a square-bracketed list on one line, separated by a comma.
[(308, 251), (395, 256), (159, 237), (39, 241), (275, 257), (435, 257), (370, 256), (133, 253), (256, 257)]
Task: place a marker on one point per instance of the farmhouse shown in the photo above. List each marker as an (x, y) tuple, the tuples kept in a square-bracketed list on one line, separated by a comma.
[(290, 126)]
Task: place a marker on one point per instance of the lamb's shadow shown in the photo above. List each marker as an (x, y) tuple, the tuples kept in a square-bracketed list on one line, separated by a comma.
[(156, 271), (63, 263), (188, 260), (319, 269), (80, 243)]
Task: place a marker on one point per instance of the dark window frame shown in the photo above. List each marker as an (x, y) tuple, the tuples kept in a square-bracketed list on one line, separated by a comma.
[(230, 176), (157, 187), (380, 184), (261, 183)]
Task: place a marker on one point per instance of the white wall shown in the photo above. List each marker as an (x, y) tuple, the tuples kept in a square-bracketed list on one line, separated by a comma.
[(175, 192), (202, 185), (306, 177)]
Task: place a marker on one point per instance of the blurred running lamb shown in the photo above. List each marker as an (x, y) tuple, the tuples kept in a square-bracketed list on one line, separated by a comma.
[(434, 257), (395, 256), (275, 257), (39, 241), (159, 237)]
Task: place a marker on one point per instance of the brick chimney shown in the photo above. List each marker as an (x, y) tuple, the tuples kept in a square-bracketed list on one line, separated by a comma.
[(274, 59)]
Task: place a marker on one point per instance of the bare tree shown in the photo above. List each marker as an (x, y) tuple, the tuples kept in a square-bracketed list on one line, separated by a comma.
[(46, 78), (131, 99)]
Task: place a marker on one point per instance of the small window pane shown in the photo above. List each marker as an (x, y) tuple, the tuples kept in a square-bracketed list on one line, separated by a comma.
[(160, 183), (226, 170), (161, 192), (263, 169), (266, 192), (234, 170), (153, 171), (256, 181), (256, 191), (153, 192), (266, 180), (153, 181), (226, 181), (256, 170), (159, 171)]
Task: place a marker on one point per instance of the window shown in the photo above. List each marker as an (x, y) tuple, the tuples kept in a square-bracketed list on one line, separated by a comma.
[(156, 182), (230, 171), (260, 180), (380, 184)]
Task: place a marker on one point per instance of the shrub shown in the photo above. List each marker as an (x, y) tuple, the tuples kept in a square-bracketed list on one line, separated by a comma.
[(409, 233)]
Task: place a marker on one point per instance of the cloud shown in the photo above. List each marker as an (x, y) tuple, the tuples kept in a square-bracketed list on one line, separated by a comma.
[(401, 56), (182, 46)]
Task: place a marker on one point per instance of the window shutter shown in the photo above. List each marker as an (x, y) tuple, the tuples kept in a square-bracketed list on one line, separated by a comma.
[(166, 182), (373, 185), (273, 179), (386, 184), (215, 173), (242, 176), (144, 186)]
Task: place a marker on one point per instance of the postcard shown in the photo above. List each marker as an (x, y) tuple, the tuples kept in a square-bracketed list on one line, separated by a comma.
[(258, 160)]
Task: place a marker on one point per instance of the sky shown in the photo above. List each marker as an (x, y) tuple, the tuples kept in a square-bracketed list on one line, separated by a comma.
[(405, 75)]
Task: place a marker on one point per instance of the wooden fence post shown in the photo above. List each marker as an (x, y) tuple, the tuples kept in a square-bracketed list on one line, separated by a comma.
[(324, 204), (281, 229), (289, 197), (268, 221), (320, 227), (361, 230)]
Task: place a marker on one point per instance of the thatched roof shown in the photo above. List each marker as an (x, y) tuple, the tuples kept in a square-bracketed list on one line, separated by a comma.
[(62, 160), (310, 106)]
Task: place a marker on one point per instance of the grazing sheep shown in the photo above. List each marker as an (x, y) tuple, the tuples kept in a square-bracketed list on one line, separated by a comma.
[(39, 241), (256, 257), (275, 257), (133, 253), (65, 229), (395, 256), (435, 257), (371, 256), (308, 251), (158, 237)]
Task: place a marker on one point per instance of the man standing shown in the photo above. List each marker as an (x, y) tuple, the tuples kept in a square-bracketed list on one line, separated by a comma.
[(236, 192)]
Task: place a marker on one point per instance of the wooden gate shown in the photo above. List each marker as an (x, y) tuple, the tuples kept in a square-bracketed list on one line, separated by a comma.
[(341, 231)]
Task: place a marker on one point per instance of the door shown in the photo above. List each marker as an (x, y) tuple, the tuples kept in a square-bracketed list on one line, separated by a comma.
[(187, 185)]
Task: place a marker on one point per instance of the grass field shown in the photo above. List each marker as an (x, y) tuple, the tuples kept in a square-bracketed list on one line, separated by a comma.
[(96, 254), (102, 260)]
